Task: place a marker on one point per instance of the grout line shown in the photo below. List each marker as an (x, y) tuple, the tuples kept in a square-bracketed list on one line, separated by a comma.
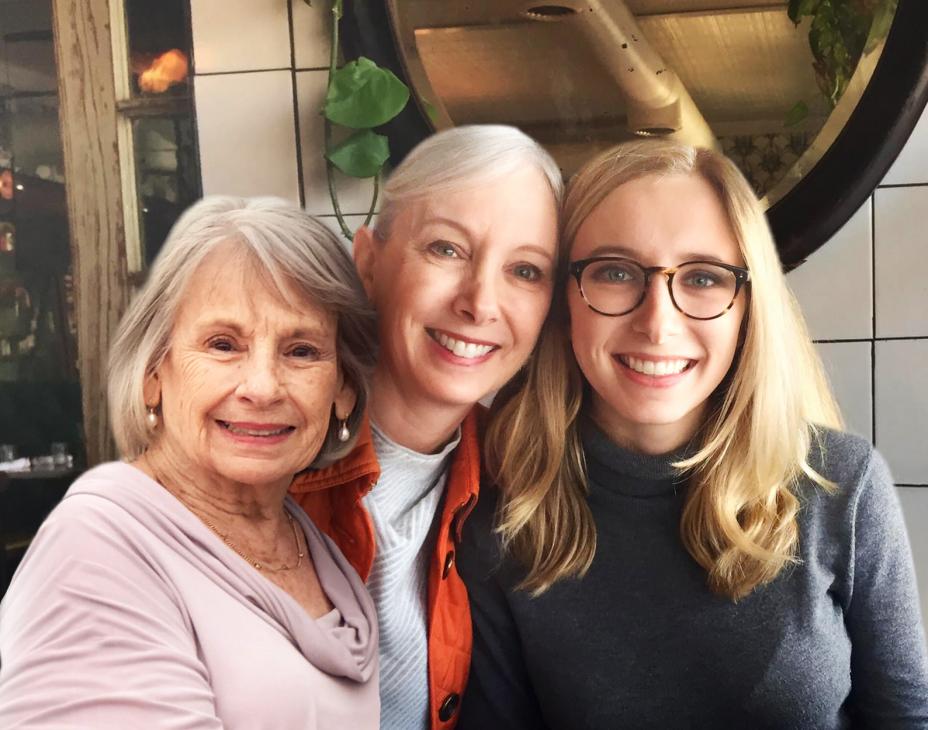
[(917, 486), (244, 71), (837, 341), (873, 317), (296, 109), (902, 185)]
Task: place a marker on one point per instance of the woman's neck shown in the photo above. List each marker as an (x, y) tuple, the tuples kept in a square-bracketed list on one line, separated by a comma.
[(646, 438), (412, 421), (228, 506)]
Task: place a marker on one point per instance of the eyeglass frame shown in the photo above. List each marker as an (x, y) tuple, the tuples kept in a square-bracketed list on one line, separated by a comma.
[(742, 277)]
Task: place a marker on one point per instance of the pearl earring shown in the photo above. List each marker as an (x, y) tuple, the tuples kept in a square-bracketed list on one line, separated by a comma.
[(343, 433), (152, 418)]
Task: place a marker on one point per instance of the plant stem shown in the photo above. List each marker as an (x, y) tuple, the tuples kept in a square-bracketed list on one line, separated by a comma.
[(327, 125), (370, 213)]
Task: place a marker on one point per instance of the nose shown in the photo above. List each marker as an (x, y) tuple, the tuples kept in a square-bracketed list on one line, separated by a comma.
[(657, 318), (477, 300), (260, 381)]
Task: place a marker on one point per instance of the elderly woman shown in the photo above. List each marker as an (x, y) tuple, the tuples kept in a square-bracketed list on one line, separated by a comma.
[(460, 268), (181, 587)]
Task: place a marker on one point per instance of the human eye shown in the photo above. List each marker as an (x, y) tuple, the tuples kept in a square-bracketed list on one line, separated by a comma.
[(528, 272), (703, 278), (444, 249), (613, 272), (303, 351), (221, 344)]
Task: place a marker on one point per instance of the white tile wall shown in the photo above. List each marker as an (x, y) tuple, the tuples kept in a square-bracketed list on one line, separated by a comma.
[(835, 285), (354, 196), (902, 407), (912, 164), (849, 369), (247, 135), (312, 28), (915, 508), (901, 260), (239, 35)]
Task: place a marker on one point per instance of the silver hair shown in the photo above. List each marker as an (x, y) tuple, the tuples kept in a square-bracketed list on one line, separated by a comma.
[(458, 158), (295, 252)]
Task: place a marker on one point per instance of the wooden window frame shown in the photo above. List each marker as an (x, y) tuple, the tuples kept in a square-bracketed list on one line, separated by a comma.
[(94, 187)]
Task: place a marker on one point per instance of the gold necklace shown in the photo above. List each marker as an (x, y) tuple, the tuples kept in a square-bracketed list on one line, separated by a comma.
[(257, 564)]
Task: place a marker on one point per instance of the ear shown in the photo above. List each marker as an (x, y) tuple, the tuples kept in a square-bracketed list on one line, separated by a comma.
[(345, 399), (151, 390), (364, 251)]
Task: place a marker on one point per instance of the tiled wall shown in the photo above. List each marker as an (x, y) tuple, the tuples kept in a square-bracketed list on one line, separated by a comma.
[(865, 293)]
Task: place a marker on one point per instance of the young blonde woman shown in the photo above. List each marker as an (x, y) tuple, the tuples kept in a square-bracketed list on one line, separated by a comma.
[(683, 536), (460, 269)]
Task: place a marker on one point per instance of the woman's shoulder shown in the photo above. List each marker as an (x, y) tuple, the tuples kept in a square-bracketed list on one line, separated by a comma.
[(842, 457), (854, 466)]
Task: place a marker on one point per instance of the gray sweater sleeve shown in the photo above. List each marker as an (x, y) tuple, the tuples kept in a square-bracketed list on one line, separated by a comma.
[(889, 666)]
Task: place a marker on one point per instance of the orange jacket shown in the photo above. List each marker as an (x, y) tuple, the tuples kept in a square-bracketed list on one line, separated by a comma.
[(332, 498)]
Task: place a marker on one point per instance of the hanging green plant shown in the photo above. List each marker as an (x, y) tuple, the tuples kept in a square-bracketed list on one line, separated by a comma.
[(841, 30), (360, 96)]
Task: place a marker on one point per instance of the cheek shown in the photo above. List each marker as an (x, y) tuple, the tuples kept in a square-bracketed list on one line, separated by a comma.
[(588, 330), (527, 312)]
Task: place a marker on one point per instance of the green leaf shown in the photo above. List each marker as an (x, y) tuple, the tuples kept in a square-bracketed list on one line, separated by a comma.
[(798, 9), (431, 111), (882, 20), (795, 115), (362, 95), (361, 155)]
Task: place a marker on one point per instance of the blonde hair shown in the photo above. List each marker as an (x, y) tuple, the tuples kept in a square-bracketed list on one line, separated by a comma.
[(295, 254), (739, 519)]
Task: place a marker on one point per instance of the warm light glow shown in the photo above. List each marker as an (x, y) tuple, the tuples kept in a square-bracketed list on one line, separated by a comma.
[(166, 70), (6, 184)]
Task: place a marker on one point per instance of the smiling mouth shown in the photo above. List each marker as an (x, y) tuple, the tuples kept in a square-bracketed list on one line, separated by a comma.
[(259, 432), (460, 348), (655, 368)]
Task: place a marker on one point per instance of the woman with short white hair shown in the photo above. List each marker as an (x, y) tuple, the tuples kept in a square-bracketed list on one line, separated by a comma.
[(182, 587), (460, 268)]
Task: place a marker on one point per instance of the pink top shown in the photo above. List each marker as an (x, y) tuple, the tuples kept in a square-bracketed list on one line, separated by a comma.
[(128, 612)]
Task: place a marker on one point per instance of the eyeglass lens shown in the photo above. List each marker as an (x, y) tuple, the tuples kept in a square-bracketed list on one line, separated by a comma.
[(700, 290)]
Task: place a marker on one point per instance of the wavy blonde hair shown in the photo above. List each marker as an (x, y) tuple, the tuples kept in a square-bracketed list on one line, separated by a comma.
[(739, 519)]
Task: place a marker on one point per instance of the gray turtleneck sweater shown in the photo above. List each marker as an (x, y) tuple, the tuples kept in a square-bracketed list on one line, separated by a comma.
[(640, 642)]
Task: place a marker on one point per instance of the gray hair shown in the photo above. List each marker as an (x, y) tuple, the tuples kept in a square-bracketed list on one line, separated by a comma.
[(293, 251), (461, 157)]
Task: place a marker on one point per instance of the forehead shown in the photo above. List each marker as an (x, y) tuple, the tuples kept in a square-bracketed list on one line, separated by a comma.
[(230, 284), (520, 200), (657, 218)]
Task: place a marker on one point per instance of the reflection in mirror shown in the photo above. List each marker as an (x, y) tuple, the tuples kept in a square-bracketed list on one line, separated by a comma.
[(581, 76)]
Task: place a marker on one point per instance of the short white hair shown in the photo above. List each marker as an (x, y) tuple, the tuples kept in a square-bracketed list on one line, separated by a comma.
[(461, 157), (294, 251)]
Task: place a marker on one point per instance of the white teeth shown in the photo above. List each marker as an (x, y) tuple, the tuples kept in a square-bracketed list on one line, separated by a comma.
[(655, 367), (459, 348), (252, 432)]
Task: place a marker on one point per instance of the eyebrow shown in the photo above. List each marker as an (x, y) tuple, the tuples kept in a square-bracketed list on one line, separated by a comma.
[(537, 249), (295, 333), (464, 230), (611, 249)]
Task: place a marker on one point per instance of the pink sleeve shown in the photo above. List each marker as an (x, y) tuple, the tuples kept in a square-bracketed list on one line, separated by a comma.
[(92, 635)]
